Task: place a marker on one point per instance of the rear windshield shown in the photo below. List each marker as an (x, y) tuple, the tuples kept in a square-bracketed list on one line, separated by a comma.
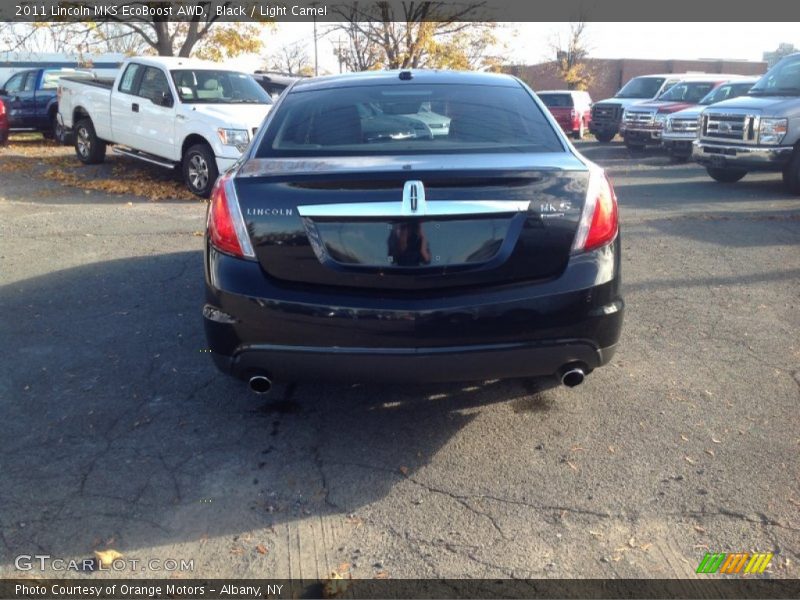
[(557, 100), (641, 87), (408, 119)]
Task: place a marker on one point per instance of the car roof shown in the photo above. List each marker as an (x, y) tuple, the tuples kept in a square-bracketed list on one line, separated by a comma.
[(420, 76), (176, 62), (562, 92)]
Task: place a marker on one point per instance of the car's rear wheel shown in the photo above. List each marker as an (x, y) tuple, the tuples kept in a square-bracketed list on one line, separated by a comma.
[(200, 170), (89, 148), (604, 138), (726, 175), (791, 174)]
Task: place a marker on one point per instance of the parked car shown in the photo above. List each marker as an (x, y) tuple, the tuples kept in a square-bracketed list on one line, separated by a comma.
[(273, 83), (756, 132), (607, 114), (680, 128), (492, 252), (643, 123), (571, 109), (169, 112), (31, 99), (4, 128)]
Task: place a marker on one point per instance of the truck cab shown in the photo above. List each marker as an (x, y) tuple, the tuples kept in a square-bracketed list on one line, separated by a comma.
[(756, 132), (171, 112), (31, 99), (643, 123), (607, 114)]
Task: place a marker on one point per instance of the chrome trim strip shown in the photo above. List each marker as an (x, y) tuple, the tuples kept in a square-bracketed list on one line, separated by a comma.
[(431, 208)]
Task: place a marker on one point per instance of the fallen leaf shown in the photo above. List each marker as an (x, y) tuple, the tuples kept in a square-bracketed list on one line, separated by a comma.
[(261, 549), (404, 471), (689, 460), (381, 575), (611, 449), (684, 438), (335, 585), (571, 466), (645, 547), (632, 542), (106, 557), (699, 529), (595, 533), (715, 440), (709, 451)]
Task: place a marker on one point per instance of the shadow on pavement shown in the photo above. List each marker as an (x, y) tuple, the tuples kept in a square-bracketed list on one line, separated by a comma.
[(115, 425)]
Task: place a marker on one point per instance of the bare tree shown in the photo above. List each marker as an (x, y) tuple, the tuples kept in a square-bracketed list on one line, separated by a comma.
[(413, 34), (291, 59), (570, 55), (171, 35)]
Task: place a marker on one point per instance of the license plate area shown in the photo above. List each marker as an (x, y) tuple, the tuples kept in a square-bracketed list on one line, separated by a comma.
[(413, 243)]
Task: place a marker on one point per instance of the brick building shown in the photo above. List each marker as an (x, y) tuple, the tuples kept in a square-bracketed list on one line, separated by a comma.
[(610, 74)]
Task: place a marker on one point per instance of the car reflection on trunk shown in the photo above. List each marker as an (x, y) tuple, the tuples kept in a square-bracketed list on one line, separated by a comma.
[(407, 245)]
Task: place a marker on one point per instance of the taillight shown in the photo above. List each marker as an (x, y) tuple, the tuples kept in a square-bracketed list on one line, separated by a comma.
[(599, 221), (2, 108), (226, 228)]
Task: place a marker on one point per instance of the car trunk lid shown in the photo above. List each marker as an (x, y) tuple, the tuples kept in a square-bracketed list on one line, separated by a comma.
[(413, 223)]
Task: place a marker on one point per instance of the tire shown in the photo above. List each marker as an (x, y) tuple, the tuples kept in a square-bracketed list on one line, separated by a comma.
[(60, 134), (200, 170), (791, 174), (578, 135), (89, 148), (604, 138), (726, 175)]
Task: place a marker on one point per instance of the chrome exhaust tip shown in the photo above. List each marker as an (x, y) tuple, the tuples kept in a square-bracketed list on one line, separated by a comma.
[(260, 384), (572, 377)]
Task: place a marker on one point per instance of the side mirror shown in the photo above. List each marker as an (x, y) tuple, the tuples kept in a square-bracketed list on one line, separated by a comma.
[(165, 100)]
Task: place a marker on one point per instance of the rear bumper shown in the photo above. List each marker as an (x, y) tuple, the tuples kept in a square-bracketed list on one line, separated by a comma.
[(752, 158), (256, 325), (446, 364)]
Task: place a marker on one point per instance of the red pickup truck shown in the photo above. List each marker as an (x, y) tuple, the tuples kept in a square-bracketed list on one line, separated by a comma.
[(572, 110)]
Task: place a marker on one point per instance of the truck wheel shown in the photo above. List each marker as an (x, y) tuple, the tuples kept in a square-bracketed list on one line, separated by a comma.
[(59, 133), (726, 175), (604, 138), (791, 174), (89, 148), (200, 170)]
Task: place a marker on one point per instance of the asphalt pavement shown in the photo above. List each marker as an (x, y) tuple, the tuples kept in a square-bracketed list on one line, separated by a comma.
[(117, 432)]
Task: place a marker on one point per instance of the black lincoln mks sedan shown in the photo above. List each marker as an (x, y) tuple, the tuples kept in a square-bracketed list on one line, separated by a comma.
[(412, 226)]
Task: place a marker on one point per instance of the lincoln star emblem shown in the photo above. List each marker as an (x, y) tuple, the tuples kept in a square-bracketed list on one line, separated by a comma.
[(414, 198)]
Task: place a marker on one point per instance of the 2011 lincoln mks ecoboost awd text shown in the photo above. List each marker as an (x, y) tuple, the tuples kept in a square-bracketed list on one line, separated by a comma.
[(354, 241)]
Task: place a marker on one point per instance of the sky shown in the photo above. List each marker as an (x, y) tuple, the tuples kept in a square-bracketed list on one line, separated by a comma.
[(529, 43)]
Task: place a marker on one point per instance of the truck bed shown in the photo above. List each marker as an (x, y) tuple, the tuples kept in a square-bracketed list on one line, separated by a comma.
[(101, 82)]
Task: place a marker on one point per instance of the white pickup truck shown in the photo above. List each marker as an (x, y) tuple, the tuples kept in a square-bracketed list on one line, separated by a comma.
[(167, 111)]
